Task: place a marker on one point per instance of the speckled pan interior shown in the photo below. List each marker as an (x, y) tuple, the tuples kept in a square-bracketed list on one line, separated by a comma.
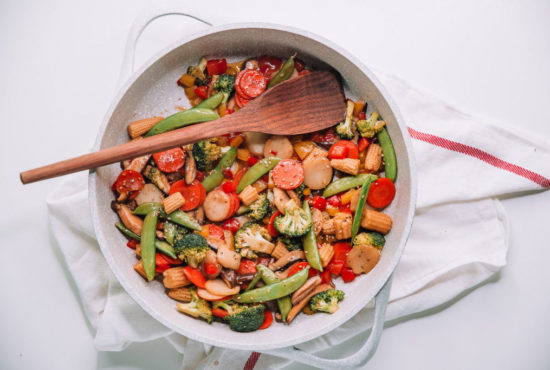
[(152, 91)]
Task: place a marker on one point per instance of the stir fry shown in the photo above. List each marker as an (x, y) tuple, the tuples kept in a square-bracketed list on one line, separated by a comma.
[(247, 227)]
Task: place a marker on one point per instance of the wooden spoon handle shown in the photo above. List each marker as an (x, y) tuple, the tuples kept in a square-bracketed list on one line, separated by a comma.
[(132, 149)]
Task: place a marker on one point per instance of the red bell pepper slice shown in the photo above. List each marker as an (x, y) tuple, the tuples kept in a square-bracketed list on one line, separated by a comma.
[(195, 276), (272, 231), (347, 275), (246, 267), (267, 321), (218, 312), (216, 66)]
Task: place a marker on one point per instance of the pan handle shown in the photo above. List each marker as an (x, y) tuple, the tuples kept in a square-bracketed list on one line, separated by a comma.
[(139, 25), (360, 357)]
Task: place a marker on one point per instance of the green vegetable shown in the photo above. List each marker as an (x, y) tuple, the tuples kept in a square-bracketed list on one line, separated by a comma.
[(192, 248), (310, 244), (206, 152), (144, 208), (291, 243), (182, 119), (345, 128), (156, 176), (259, 208), (254, 281), (197, 308), (276, 290), (129, 233), (252, 237), (242, 318), (360, 205), (183, 219), (284, 73), (390, 161), (371, 238), (326, 301), (369, 128), (198, 72), (258, 170), (346, 183), (159, 244), (284, 303), (294, 222), (216, 176), (225, 84), (210, 103), (300, 191), (171, 231), (242, 210), (148, 234)]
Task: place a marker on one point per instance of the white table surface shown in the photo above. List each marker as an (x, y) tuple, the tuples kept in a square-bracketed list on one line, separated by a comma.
[(59, 68)]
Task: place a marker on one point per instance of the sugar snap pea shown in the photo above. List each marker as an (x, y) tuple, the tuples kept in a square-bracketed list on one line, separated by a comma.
[(360, 205), (183, 118), (310, 244), (276, 290), (346, 183), (254, 281), (284, 303), (258, 170), (210, 103), (215, 177), (160, 245), (148, 244), (144, 208), (390, 161), (284, 73)]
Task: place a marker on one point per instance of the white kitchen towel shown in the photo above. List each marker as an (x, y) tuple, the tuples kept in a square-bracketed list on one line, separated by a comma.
[(439, 263)]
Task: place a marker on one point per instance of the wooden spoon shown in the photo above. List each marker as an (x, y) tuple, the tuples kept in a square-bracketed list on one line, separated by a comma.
[(305, 104)]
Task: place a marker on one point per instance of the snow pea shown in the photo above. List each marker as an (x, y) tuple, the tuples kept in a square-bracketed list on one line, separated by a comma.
[(360, 205), (275, 290), (216, 176), (183, 118), (210, 103), (178, 216), (310, 244), (346, 183), (390, 161), (148, 249), (254, 281), (258, 170), (284, 303), (160, 245), (284, 73), (183, 219)]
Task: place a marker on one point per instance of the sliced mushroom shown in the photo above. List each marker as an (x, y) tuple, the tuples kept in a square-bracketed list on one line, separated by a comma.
[(129, 220), (300, 305), (318, 220), (215, 243), (218, 287), (280, 198), (229, 276), (362, 258), (139, 163), (278, 146), (244, 278), (292, 194), (190, 168), (305, 289), (286, 259)]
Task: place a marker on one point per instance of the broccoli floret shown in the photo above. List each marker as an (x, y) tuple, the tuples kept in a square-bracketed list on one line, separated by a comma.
[(198, 72), (243, 318), (173, 231), (197, 308), (206, 153), (225, 84), (252, 237), (369, 128), (371, 238), (345, 128), (259, 208), (191, 247), (295, 221), (326, 301), (300, 191), (292, 244)]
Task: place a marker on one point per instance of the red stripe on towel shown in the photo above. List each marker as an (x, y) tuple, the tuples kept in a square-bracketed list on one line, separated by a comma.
[(481, 155), (251, 362)]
